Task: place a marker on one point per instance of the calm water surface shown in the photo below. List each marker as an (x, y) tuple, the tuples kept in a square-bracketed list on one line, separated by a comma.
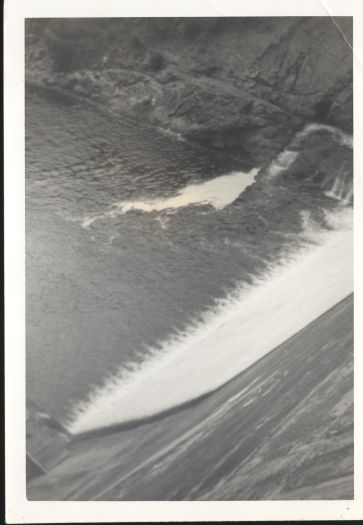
[(99, 295)]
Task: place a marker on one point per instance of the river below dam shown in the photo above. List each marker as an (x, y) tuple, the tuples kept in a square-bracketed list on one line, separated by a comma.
[(156, 269)]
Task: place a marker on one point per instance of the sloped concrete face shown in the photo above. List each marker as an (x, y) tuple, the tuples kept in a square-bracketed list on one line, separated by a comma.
[(283, 429)]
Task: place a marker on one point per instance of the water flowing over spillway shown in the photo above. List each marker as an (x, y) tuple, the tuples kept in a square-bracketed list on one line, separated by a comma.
[(242, 330), (169, 268), (243, 327)]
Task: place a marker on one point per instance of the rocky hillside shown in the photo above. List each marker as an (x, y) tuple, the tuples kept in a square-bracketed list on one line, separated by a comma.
[(246, 84)]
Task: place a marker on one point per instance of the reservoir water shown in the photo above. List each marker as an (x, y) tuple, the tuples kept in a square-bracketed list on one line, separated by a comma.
[(158, 269)]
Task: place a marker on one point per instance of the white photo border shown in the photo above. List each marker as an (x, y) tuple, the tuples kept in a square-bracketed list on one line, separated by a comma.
[(18, 508)]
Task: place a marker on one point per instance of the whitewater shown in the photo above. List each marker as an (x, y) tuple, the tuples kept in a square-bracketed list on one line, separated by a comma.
[(217, 192), (243, 328)]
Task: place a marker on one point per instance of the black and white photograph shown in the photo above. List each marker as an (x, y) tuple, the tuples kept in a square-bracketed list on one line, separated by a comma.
[(188, 259)]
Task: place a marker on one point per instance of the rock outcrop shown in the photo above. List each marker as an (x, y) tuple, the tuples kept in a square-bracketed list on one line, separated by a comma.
[(46, 441), (244, 84)]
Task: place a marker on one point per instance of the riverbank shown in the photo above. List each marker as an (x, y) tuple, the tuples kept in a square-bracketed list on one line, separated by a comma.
[(244, 85), (283, 429)]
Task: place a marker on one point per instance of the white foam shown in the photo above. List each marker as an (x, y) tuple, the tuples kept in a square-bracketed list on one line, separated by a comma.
[(342, 137), (341, 189), (243, 329), (217, 192), (284, 160)]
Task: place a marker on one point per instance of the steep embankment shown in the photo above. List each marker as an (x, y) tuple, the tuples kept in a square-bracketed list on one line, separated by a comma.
[(245, 84), (283, 429)]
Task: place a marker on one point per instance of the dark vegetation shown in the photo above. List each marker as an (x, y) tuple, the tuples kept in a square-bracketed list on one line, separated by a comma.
[(208, 79)]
